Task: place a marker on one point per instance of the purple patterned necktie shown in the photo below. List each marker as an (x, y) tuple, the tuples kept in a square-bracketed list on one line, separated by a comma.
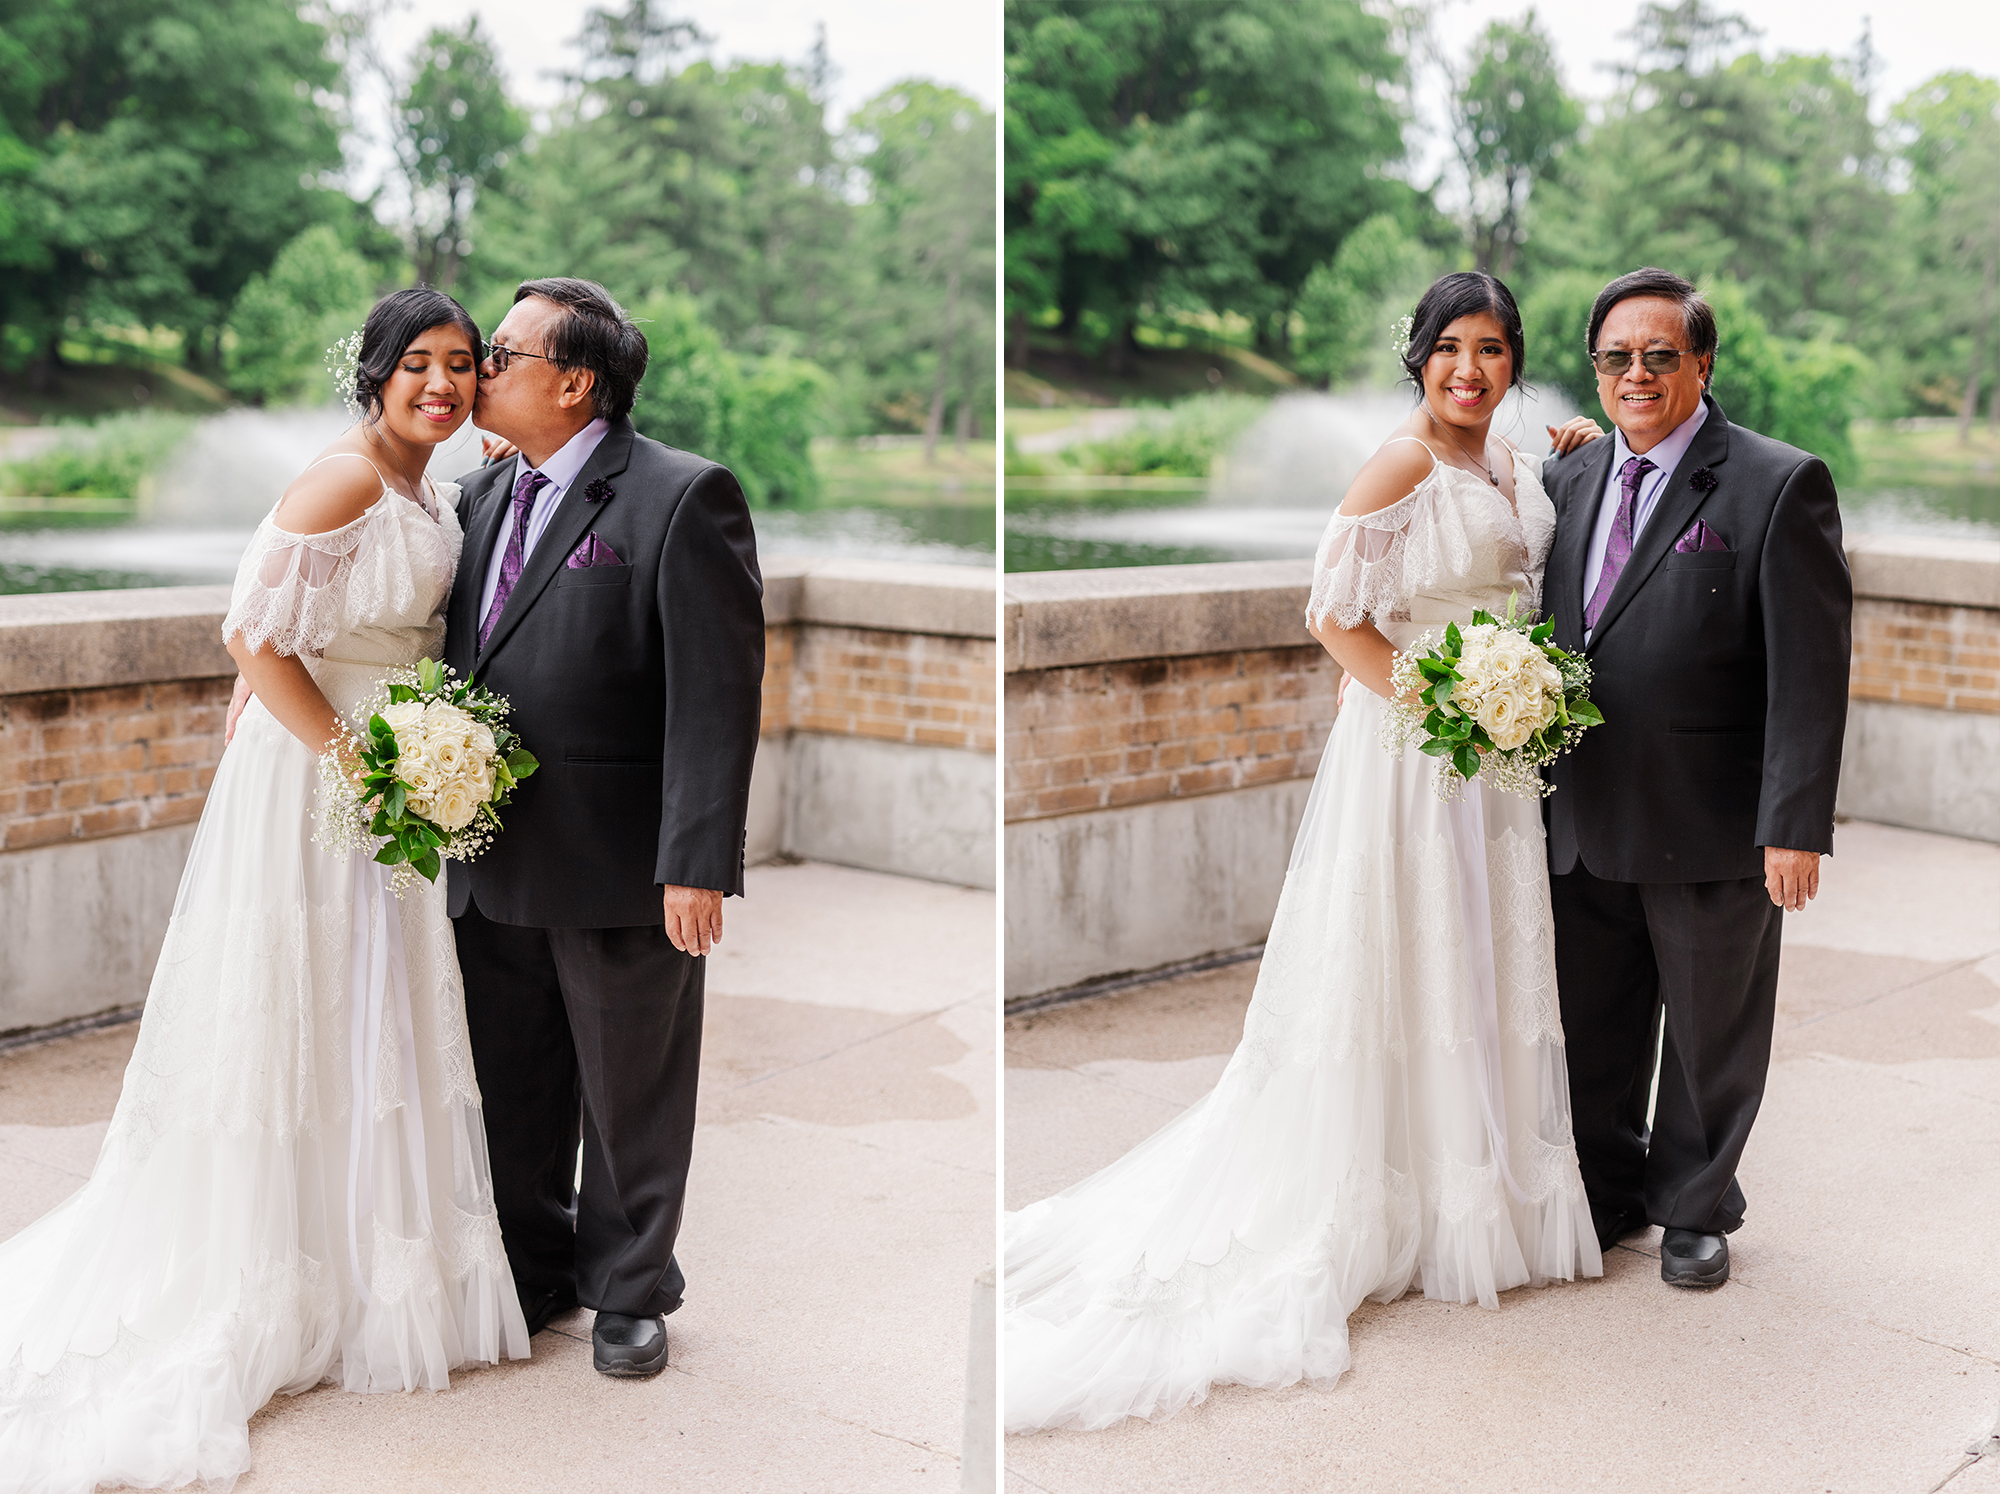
[(531, 483), (1618, 548)]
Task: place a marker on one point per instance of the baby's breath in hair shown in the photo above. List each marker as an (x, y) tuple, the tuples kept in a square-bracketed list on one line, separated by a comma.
[(343, 361), (1400, 335)]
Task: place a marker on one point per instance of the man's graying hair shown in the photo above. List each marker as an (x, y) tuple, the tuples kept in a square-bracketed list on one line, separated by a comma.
[(594, 333), (1696, 313)]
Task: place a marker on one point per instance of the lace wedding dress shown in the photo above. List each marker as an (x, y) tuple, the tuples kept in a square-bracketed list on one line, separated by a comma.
[(294, 1186), (1397, 1112)]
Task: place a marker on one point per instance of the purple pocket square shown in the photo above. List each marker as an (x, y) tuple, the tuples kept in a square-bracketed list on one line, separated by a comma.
[(1700, 537), (593, 551)]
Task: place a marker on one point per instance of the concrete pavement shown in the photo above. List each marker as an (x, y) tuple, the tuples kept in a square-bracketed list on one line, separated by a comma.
[(1856, 1347), (840, 1207)]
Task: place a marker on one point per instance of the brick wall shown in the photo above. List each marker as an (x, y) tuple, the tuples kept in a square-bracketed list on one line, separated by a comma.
[(81, 764), (1102, 735), (921, 688), (1915, 653)]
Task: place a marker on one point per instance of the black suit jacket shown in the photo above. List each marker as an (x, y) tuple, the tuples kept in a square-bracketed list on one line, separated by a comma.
[(1722, 674), (638, 686)]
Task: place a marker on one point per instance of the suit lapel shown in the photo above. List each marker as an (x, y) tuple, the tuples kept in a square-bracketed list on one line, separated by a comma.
[(476, 554), (1671, 516), (1579, 517), (566, 526)]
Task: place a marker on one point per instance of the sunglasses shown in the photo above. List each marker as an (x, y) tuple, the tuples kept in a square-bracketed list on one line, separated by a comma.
[(1657, 360), (500, 354)]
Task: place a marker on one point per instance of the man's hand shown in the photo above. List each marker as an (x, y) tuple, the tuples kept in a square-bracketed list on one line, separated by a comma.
[(238, 699), (1791, 877), (693, 918)]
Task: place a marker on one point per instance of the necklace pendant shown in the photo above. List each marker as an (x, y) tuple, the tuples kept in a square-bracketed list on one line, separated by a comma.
[(1492, 479)]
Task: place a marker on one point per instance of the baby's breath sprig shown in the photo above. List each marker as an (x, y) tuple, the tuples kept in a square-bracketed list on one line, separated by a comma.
[(1400, 331), (343, 362)]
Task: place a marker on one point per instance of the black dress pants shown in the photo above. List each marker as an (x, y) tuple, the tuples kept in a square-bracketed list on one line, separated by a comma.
[(590, 1033), (1706, 952)]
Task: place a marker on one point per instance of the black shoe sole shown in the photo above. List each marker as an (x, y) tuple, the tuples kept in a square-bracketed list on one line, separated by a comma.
[(1691, 1276), (629, 1369)]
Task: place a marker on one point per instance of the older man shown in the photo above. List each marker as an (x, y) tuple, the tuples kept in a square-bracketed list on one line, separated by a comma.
[(1699, 566)]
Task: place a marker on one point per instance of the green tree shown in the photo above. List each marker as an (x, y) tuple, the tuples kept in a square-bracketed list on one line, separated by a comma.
[(1343, 308), (316, 292), (1165, 156), (757, 416), (153, 157), (1511, 122), (455, 131)]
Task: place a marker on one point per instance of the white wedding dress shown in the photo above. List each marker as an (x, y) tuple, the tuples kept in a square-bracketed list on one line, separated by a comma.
[(294, 1187), (1397, 1113)]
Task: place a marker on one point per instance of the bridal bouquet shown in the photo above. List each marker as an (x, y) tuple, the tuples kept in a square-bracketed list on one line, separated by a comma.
[(434, 767), (1495, 699)]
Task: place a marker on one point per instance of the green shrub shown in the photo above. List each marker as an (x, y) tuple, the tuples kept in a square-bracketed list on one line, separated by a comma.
[(1348, 305), (315, 293), (1181, 441), (110, 459), (756, 416), (1556, 320)]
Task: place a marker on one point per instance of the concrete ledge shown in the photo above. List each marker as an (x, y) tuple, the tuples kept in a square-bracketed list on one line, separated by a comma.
[(78, 640), (1109, 891), (1054, 619), (1920, 768), (891, 807), (1940, 572), (117, 894), (895, 595)]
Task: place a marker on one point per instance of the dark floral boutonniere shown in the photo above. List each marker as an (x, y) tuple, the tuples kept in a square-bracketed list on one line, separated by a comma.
[(1702, 480), (599, 490)]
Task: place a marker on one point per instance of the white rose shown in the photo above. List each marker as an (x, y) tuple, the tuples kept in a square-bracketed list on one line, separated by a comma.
[(403, 715), (420, 806), (482, 740), (449, 755), (447, 722), (455, 806)]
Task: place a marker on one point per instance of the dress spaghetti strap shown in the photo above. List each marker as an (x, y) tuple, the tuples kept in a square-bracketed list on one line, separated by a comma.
[(357, 457), (1419, 440)]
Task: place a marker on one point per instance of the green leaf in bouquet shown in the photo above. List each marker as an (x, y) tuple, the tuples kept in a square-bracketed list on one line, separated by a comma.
[(1433, 668), (395, 799), (430, 675), (400, 693), (391, 855), (427, 865), (521, 762), (429, 834), (1465, 758), (1587, 713), (379, 825), (1436, 747), (1454, 640), (1542, 632)]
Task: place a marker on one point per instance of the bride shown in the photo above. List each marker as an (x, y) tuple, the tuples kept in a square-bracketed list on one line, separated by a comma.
[(1397, 1113), (294, 1187)]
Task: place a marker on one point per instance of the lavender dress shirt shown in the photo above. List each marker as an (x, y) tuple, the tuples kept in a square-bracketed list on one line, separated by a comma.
[(1664, 457)]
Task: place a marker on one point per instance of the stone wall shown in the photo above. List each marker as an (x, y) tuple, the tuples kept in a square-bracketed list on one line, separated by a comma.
[(877, 750), (1163, 725)]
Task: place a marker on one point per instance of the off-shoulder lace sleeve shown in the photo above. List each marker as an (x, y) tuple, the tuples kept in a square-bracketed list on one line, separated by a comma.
[(1370, 565), (291, 589)]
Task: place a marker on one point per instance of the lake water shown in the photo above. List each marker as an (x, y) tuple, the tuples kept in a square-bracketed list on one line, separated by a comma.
[(1276, 490), (210, 496)]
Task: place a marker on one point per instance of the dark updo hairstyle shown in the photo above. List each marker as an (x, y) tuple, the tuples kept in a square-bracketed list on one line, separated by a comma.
[(396, 321), (1464, 293), (594, 333)]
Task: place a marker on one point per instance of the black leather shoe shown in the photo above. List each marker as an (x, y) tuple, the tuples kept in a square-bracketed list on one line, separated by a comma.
[(1691, 1259), (543, 1308), (629, 1348), (1626, 1225)]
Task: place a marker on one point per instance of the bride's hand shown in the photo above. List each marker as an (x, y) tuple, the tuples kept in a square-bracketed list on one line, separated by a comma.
[(238, 699), (495, 449), (1571, 434)]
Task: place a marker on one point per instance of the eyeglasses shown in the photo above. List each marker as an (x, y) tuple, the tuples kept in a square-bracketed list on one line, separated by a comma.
[(1657, 360), (500, 353)]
